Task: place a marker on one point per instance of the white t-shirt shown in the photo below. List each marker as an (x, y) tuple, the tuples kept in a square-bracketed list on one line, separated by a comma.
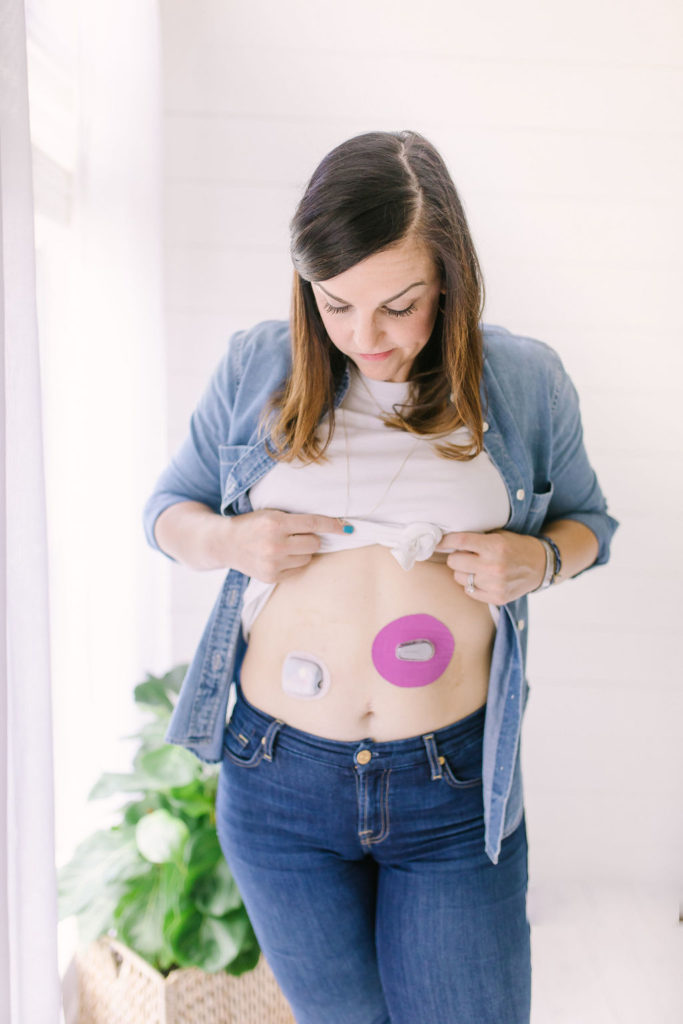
[(392, 486)]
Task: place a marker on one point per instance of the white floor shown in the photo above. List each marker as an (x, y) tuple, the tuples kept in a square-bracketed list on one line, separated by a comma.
[(600, 955), (605, 954)]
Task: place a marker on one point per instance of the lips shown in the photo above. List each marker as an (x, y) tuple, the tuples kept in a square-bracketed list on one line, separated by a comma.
[(374, 356)]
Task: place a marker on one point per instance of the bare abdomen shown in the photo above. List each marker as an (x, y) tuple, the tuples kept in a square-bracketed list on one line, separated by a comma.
[(333, 609)]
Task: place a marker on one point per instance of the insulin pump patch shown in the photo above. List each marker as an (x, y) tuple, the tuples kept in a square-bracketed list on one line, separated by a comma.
[(304, 676), (413, 650)]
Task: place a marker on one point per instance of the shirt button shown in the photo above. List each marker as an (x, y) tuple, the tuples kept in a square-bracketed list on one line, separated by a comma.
[(485, 426), (520, 494), (520, 624), (363, 756)]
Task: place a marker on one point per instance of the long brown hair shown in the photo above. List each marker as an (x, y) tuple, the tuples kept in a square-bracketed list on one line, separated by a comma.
[(368, 194)]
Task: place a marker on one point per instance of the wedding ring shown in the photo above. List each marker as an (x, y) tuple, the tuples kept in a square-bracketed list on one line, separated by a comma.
[(470, 587)]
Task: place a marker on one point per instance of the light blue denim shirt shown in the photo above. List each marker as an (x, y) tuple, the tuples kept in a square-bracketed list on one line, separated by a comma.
[(534, 438)]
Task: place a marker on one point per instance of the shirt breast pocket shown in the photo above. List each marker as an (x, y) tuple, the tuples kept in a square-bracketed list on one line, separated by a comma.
[(538, 509)]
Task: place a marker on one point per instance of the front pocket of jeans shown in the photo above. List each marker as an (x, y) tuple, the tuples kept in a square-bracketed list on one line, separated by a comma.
[(461, 769), (243, 749), (453, 780)]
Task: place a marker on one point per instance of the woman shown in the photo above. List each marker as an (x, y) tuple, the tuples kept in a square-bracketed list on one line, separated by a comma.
[(394, 478)]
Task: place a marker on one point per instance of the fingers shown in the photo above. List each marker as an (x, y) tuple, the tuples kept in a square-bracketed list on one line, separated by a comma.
[(469, 552), (463, 541), (282, 543), (302, 544), (463, 562), (474, 555), (298, 522)]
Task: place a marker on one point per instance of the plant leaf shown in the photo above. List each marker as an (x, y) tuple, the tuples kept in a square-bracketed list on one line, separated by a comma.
[(215, 892), (148, 876), (132, 812), (101, 865), (191, 801), (97, 918), (173, 680), (143, 910), (202, 852), (160, 837), (152, 694), (118, 782), (151, 734), (168, 766), (208, 942), (245, 961), (169, 683)]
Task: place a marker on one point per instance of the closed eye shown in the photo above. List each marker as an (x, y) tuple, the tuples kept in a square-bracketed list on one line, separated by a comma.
[(391, 312)]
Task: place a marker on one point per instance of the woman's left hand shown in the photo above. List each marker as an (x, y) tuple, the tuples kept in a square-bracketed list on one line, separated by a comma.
[(505, 565)]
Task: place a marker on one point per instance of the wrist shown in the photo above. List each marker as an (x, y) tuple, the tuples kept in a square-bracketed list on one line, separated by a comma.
[(553, 563), (216, 542), (557, 569)]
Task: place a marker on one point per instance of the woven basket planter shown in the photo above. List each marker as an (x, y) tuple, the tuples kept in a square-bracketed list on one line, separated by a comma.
[(116, 986)]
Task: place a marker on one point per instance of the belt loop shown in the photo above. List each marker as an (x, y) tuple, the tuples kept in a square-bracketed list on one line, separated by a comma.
[(432, 755), (268, 739)]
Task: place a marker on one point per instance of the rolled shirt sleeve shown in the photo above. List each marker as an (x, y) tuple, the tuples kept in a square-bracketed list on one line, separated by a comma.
[(576, 491), (193, 474)]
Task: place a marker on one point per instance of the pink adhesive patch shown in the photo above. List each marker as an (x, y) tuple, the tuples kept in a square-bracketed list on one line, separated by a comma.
[(405, 630)]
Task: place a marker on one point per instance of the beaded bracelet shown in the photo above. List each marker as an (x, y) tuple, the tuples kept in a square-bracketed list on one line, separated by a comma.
[(556, 552), (548, 572)]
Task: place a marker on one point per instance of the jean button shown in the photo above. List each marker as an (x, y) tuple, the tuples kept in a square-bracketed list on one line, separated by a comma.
[(363, 756)]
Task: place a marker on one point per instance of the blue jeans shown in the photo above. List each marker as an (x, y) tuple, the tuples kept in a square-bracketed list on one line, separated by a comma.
[(363, 870)]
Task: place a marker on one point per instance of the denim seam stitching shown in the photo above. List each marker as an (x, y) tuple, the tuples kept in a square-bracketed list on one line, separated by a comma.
[(441, 769), (451, 779), (432, 755), (251, 762), (358, 781), (268, 739), (384, 804), (384, 813)]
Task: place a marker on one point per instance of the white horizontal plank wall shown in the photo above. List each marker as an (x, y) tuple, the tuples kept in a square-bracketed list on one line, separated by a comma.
[(562, 128)]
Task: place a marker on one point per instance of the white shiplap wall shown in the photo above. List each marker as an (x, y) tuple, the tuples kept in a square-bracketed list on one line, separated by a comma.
[(562, 128)]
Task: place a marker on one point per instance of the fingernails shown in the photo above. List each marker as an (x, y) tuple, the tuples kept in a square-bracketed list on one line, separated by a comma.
[(348, 528)]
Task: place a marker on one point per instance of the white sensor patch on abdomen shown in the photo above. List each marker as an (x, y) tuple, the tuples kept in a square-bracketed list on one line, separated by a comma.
[(304, 676)]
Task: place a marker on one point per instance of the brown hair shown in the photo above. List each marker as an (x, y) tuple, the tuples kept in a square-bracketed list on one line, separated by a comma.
[(368, 194)]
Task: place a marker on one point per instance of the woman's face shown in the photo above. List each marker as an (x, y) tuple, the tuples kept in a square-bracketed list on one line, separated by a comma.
[(381, 311)]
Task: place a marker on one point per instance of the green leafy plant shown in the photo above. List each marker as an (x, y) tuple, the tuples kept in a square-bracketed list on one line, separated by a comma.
[(158, 880)]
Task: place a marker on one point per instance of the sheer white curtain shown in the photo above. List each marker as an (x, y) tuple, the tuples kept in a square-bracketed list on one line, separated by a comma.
[(102, 350), (29, 980), (92, 441)]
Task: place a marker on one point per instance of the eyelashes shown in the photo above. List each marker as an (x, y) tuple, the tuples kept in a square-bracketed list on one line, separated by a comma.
[(390, 312)]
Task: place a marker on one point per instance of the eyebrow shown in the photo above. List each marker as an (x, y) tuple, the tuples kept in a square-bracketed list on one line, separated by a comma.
[(393, 297)]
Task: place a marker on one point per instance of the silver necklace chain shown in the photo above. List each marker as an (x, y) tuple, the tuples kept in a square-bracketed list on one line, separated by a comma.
[(372, 397), (348, 461)]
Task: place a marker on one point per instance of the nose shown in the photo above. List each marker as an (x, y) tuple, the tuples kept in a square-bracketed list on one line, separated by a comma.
[(367, 336)]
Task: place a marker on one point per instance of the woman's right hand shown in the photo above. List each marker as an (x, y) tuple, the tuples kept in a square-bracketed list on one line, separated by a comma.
[(268, 544)]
